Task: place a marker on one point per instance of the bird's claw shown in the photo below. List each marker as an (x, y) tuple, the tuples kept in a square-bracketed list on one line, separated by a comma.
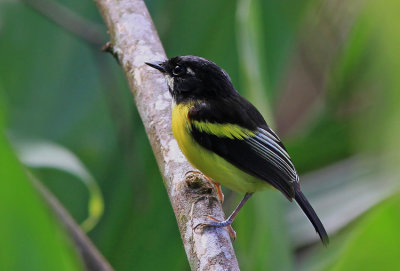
[(219, 224)]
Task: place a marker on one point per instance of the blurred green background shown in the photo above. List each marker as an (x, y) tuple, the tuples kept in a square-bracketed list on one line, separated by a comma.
[(325, 73)]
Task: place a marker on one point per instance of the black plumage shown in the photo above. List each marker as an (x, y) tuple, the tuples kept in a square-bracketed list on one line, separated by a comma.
[(239, 152), (206, 89)]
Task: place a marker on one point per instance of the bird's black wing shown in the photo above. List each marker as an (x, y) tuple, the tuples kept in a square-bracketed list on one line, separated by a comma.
[(259, 153), (236, 131)]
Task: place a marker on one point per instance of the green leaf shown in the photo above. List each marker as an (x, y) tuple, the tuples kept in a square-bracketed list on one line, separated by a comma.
[(374, 244), (251, 42), (50, 155), (30, 237), (263, 240)]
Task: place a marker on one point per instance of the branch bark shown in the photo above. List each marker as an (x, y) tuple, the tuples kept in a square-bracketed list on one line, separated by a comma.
[(134, 40)]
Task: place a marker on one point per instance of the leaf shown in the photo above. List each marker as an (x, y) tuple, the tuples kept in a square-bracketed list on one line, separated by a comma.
[(30, 237), (370, 244), (263, 241), (251, 42), (331, 191), (374, 243), (50, 155)]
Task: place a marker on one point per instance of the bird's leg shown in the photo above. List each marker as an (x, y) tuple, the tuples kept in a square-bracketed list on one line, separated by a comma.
[(229, 220), (216, 185)]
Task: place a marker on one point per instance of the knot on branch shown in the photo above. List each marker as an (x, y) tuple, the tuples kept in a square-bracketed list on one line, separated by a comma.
[(197, 183), (109, 48)]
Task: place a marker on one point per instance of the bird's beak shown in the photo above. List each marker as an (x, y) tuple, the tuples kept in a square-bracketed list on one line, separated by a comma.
[(158, 65)]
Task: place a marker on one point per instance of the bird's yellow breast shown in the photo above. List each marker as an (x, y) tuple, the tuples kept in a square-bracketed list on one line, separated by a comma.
[(209, 163)]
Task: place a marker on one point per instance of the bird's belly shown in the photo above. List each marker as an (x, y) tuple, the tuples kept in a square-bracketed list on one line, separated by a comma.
[(209, 163)]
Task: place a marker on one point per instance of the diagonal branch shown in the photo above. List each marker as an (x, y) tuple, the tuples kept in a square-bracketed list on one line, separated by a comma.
[(134, 41), (92, 258), (72, 22), (93, 34)]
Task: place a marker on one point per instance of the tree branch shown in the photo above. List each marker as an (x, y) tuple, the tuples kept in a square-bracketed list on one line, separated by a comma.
[(70, 21), (93, 259), (134, 40), (93, 34)]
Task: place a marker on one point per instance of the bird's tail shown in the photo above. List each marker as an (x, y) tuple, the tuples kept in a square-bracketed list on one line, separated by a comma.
[(312, 216)]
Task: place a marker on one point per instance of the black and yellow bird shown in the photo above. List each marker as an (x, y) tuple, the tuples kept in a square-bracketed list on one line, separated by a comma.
[(226, 138)]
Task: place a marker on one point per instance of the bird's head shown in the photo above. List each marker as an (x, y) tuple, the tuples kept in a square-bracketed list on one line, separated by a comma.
[(193, 78)]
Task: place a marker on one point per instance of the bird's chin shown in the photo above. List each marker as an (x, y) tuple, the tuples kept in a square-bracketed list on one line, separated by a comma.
[(173, 104), (170, 81)]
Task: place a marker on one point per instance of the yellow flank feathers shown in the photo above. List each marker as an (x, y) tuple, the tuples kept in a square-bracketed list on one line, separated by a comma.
[(211, 164), (230, 131)]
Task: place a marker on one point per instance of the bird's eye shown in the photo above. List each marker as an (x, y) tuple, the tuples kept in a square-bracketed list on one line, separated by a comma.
[(178, 70)]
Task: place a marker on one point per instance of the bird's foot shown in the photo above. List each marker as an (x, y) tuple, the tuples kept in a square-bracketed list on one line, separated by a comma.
[(220, 224)]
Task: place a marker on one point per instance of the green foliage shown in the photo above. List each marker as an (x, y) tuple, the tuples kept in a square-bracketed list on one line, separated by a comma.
[(262, 242), (30, 236), (373, 243), (57, 88), (370, 244), (52, 156)]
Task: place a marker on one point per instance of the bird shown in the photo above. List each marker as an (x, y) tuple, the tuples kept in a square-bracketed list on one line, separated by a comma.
[(225, 137)]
